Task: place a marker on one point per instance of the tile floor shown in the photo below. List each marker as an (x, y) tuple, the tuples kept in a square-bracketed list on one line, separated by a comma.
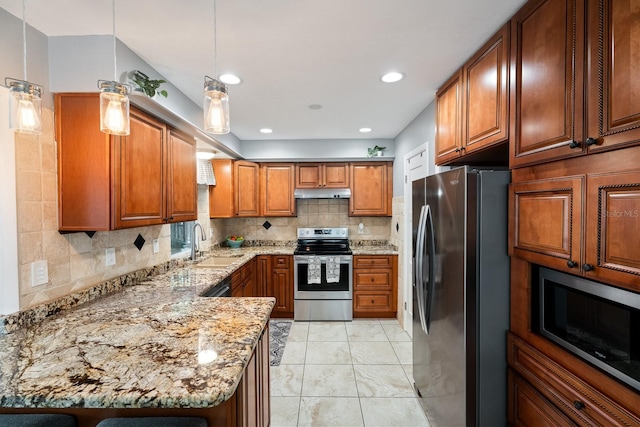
[(345, 374)]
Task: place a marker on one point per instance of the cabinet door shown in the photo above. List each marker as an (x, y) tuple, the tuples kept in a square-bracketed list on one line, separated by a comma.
[(486, 77), (613, 228), (545, 222), (139, 174), (263, 275), (614, 86), (182, 189), (281, 286), (336, 175), (546, 81), (277, 185), (221, 197), (449, 119), (84, 166), (370, 189), (247, 184), (308, 175)]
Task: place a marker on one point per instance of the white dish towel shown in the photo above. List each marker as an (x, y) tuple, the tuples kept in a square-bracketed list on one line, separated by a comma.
[(333, 269), (314, 271)]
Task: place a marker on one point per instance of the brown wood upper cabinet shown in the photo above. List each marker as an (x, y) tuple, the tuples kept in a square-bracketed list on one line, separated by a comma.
[(318, 175), (237, 189), (473, 105), (559, 65), (277, 185), (371, 189), (107, 182)]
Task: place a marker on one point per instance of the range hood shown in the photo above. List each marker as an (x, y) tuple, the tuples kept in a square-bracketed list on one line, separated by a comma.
[(322, 193)]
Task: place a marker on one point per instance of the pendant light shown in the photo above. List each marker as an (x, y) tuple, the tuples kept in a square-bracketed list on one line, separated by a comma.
[(25, 102), (216, 99), (114, 103)]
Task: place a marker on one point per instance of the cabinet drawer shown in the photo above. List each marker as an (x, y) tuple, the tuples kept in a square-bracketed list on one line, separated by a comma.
[(372, 261), (281, 261), (376, 279), (372, 302), (578, 400), (527, 407)]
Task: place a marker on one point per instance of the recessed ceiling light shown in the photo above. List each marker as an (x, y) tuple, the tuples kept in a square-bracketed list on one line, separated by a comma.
[(266, 130), (365, 130), (392, 77), (230, 79), (315, 106)]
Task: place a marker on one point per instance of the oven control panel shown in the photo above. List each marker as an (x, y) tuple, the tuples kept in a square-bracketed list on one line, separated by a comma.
[(327, 233)]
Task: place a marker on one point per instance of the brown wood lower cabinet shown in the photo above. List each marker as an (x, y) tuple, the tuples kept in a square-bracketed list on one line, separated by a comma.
[(375, 285), (253, 390), (243, 281), (275, 279), (541, 389)]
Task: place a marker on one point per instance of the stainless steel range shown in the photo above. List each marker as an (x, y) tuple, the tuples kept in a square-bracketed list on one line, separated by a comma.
[(323, 271)]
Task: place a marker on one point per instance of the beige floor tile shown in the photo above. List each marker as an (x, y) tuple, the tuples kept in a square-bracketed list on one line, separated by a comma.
[(284, 411), (286, 380), (393, 412), (408, 369), (396, 333), (330, 411), (299, 332), (329, 380), (365, 332), (404, 351), (327, 331), (382, 381), (363, 321), (373, 353), (328, 353), (294, 353)]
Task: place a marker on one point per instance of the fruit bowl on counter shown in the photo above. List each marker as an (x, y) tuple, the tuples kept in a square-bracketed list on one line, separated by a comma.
[(235, 242)]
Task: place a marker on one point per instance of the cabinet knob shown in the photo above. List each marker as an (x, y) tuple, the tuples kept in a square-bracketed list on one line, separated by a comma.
[(571, 263), (574, 144), (578, 405), (587, 267), (591, 141)]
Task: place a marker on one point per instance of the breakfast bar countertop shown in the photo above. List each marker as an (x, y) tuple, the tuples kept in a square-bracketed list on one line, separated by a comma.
[(157, 344)]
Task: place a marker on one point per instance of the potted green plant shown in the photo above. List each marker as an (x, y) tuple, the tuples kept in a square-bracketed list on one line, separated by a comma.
[(147, 85), (375, 151)]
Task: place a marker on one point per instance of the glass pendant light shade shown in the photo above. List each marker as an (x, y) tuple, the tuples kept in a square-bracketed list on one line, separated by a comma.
[(25, 104), (114, 108), (216, 107)]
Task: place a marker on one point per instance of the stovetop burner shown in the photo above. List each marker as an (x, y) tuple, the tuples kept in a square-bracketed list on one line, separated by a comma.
[(323, 241)]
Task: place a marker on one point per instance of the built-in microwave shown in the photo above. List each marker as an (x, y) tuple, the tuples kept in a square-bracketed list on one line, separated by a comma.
[(597, 322)]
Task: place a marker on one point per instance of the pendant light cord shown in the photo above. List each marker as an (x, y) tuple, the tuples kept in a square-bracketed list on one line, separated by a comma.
[(24, 41), (113, 24), (215, 41)]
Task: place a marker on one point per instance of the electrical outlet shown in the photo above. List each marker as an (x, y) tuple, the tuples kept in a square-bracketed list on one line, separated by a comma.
[(39, 273), (156, 246), (360, 228), (110, 256), (210, 233)]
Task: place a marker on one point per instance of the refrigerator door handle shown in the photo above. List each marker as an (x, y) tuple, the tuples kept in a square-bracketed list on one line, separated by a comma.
[(425, 219), (418, 266), (429, 233)]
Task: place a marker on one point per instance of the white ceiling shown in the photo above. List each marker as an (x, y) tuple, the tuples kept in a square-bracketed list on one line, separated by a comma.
[(294, 53)]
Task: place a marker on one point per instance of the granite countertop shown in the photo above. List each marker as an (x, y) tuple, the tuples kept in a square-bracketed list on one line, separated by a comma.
[(148, 345), (155, 344)]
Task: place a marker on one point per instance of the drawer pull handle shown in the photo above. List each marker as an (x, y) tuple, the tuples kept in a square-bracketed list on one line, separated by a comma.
[(587, 267), (578, 405), (571, 263)]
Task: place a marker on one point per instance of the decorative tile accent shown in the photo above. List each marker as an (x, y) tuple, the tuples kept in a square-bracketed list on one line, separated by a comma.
[(397, 227), (266, 225), (139, 242), (90, 234)]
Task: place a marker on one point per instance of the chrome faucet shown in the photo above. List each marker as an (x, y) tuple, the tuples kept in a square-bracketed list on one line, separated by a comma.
[(194, 239)]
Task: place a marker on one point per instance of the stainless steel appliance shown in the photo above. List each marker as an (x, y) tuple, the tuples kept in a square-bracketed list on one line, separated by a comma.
[(322, 276), (461, 296)]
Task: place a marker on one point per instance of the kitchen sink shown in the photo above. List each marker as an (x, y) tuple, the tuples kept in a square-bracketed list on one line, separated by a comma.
[(216, 262)]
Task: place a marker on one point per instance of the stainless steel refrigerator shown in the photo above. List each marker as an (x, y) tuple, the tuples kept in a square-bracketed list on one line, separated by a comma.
[(461, 296)]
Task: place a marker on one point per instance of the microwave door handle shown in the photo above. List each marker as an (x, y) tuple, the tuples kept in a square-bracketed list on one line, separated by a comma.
[(420, 267), (430, 288)]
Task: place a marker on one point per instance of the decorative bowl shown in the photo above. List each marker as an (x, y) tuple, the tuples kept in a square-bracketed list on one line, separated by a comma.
[(234, 244)]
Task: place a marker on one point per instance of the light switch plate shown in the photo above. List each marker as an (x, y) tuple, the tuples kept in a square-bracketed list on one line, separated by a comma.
[(39, 273), (110, 256), (156, 246)]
